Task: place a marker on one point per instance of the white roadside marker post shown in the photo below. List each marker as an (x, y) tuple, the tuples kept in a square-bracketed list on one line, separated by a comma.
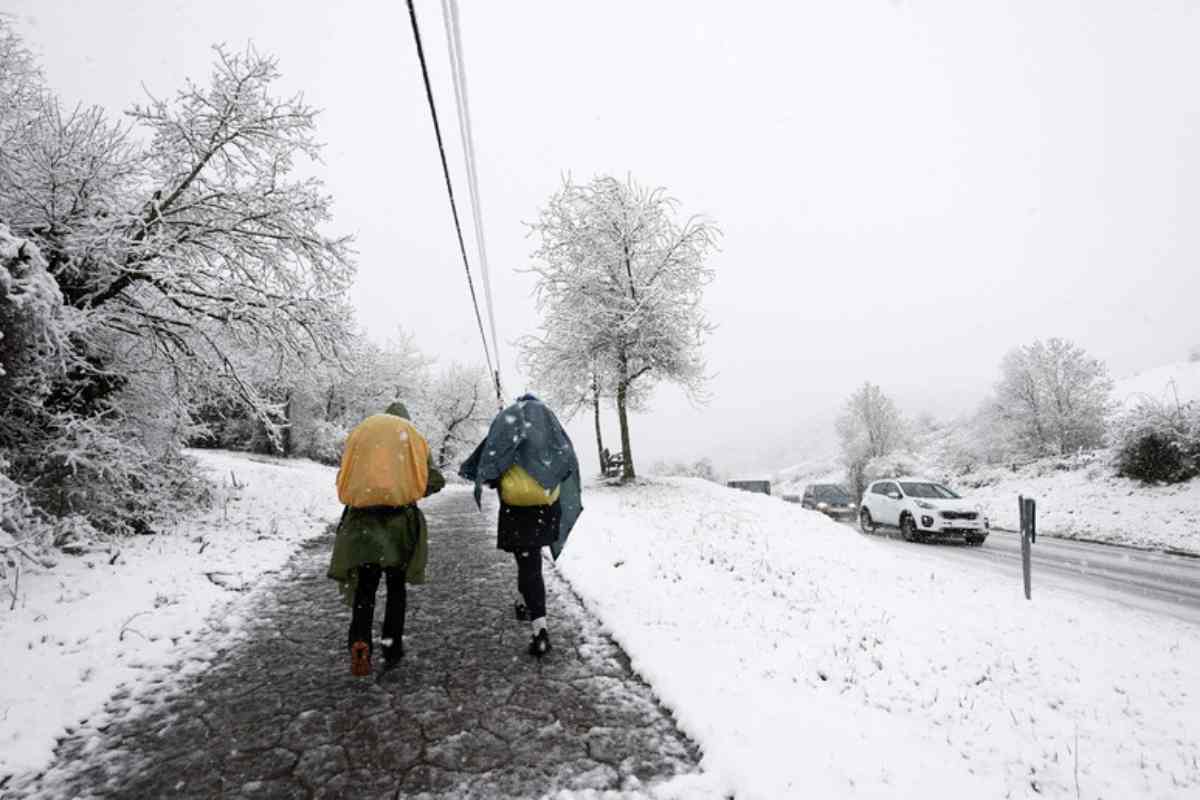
[(1028, 512)]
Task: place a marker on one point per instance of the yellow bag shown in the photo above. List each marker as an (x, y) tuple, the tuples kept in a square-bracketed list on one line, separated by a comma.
[(518, 488), (385, 463)]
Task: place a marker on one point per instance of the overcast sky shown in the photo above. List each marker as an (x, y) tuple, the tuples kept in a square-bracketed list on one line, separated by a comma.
[(907, 189)]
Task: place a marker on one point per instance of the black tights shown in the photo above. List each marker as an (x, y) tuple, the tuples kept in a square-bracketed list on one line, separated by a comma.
[(364, 606), (529, 581)]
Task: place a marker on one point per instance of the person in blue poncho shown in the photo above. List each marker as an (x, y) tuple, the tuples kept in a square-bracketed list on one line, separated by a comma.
[(529, 459)]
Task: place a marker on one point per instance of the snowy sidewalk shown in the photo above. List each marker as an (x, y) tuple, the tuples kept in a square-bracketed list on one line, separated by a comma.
[(468, 714)]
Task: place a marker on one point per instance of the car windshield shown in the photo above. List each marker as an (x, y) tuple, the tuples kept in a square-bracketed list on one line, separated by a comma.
[(831, 494), (933, 491)]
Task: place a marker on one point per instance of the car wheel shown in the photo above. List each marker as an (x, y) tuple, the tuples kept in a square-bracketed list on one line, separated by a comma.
[(976, 541), (865, 522), (908, 528)]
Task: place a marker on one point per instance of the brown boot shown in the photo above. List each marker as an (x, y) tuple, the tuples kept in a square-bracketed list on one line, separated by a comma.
[(360, 659)]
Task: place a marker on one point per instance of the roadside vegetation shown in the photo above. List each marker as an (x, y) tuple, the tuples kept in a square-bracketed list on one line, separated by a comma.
[(168, 280)]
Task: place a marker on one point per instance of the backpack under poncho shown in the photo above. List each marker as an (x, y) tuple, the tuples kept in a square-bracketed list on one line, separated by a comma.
[(385, 463)]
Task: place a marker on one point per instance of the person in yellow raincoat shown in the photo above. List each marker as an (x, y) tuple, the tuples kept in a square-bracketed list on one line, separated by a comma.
[(386, 468)]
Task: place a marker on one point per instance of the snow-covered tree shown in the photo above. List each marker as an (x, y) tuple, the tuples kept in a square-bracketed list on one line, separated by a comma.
[(1053, 397), (566, 376), (454, 413), (620, 284), (315, 403), (160, 264), (869, 427)]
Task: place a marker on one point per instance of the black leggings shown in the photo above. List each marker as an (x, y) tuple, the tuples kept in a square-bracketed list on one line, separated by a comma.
[(529, 581), (364, 605)]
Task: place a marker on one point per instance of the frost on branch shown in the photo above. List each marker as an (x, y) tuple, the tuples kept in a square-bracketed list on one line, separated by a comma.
[(620, 284), (150, 269), (1053, 398)]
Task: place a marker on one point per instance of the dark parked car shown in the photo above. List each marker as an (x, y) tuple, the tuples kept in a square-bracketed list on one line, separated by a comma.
[(829, 499)]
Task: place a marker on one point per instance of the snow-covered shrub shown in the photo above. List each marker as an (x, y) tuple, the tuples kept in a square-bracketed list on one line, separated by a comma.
[(95, 469), (325, 442), (701, 468), (1158, 442), (19, 521), (35, 330)]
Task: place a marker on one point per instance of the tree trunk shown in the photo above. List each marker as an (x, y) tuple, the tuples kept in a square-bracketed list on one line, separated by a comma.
[(627, 471), (329, 404), (596, 415), (287, 427)]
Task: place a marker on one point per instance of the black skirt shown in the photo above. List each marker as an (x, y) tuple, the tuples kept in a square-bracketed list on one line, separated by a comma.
[(527, 527)]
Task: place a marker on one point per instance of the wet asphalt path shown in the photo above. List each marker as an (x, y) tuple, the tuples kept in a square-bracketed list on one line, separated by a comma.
[(1160, 583), (469, 714)]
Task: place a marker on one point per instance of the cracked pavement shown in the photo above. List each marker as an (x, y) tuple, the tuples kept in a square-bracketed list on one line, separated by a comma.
[(468, 714)]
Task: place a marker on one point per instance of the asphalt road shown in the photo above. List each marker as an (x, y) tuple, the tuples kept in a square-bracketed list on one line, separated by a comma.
[(1154, 582)]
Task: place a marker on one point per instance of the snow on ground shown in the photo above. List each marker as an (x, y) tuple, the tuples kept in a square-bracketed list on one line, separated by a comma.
[(807, 660), (1090, 502), (103, 620)]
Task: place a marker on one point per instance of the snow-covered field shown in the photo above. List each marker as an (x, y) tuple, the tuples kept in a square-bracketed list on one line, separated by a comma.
[(809, 661), (103, 620)]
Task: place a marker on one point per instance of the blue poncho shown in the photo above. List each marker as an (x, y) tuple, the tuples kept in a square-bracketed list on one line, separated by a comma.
[(528, 434)]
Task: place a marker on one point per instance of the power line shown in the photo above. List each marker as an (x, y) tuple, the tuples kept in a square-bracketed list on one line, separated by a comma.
[(466, 133), (462, 248)]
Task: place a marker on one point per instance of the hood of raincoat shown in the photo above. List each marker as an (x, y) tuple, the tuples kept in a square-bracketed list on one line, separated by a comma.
[(398, 409), (528, 434)]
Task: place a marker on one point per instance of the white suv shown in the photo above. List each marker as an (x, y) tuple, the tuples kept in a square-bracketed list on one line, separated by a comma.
[(920, 508)]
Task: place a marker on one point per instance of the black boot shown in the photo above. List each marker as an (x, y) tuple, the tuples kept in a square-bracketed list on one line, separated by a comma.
[(539, 645), (392, 655)]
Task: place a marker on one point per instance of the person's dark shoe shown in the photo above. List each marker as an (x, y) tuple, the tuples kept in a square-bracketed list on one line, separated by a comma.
[(360, 659), (392, 656), (521, 611), (539, 645)]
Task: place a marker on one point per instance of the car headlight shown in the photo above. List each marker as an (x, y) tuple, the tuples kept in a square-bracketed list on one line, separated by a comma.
[(926, 506), (822, 506)]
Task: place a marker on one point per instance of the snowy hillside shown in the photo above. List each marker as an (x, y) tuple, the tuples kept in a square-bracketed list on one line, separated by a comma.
[(1083, 497), (792, 480), (855, 683), (1079, 497), (1179, 380), (1090, 502)]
